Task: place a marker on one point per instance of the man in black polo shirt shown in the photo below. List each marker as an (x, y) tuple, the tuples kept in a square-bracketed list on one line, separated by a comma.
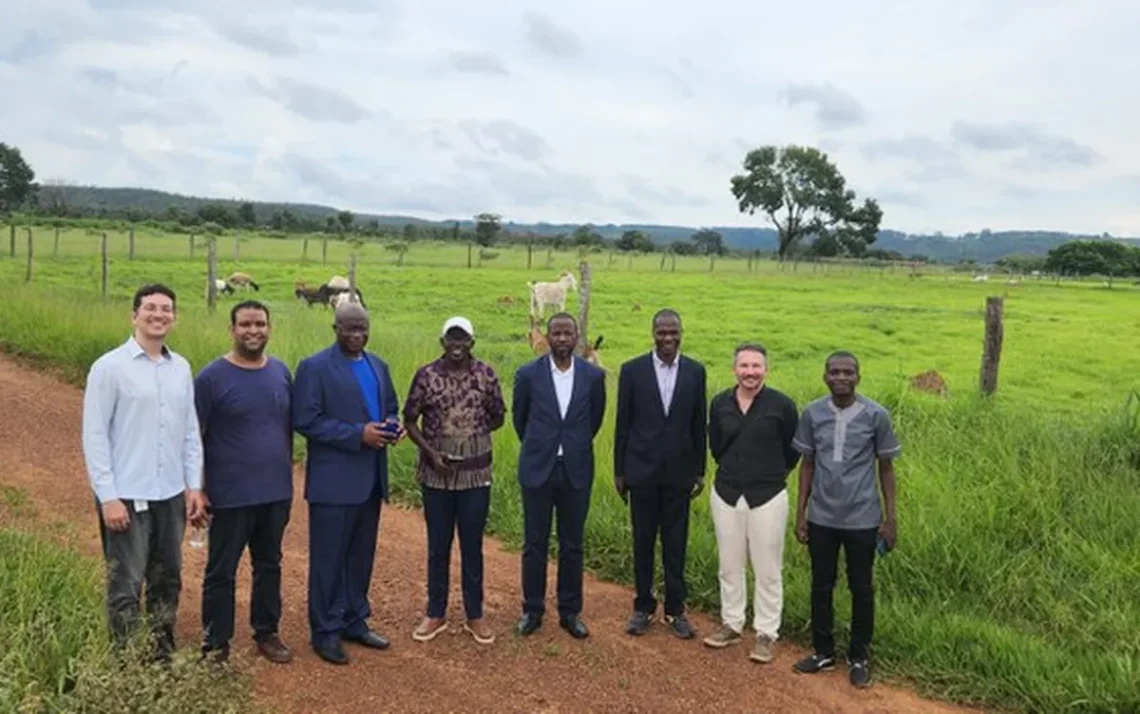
[(751, 427)]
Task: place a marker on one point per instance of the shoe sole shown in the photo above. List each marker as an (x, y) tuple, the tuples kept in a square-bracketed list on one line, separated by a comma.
[(420, 637), (720, 644), (480, 640), (824, 668)]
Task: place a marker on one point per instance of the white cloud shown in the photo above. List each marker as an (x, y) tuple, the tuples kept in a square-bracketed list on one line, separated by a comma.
[(981, 114)]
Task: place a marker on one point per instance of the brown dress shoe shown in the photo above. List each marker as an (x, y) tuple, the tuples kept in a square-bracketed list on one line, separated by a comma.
[(274, 649)]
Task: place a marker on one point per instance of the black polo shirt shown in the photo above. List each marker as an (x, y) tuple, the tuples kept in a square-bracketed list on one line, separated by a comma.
[(753, 451)]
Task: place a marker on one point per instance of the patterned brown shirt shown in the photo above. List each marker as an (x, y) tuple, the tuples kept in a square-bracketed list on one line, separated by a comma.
[(457, 410)]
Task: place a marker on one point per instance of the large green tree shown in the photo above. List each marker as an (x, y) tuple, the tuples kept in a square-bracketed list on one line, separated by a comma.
[(1110, 258), (635, 241), (803, 194), (487, 227), (17, 180)]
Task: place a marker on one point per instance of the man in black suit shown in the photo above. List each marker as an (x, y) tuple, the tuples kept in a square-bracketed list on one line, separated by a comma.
[(659, 465), (558, 405)]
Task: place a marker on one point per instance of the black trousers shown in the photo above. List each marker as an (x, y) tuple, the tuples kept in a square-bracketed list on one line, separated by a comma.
[(445, 511), (572, 506), (859, 548), (149, 550), (261, 528), (660, 510)]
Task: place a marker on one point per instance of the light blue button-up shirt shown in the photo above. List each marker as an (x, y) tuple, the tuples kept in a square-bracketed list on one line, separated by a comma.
[(141, 439)]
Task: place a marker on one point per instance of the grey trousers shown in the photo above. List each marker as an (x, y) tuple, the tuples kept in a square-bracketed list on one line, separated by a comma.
[(149, 550)]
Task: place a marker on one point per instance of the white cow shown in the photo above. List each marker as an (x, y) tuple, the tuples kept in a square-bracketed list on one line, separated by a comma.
[(981, 278), (543, 294), (338, 281), (221, 287)]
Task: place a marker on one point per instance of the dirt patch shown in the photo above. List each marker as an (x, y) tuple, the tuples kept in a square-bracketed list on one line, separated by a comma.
[(547, 672), (931, 382)]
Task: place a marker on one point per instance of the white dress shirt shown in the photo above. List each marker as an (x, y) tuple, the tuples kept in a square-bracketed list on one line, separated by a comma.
[(563, 388), (141, 439), (666, 378)]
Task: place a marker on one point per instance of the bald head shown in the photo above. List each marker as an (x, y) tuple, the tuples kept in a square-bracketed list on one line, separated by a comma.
[(351, 328)]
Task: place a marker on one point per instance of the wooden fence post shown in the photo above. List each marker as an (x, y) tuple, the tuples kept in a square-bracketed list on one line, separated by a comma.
[(131, 245), (583, 306), (237, 247), (28, 273), (55, 244), (529, 253), (106, 266), (549, 257), (325, 248), (664, 257), (991, 349), (12, 240), (191, 246), (469, 246), (211, 274), (352, 277)]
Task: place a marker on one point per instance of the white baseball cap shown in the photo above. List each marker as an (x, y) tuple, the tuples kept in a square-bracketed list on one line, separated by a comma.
[(461, 322)]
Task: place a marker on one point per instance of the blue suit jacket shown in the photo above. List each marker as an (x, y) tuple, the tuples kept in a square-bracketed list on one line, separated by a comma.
[(330, 412), (541, 428)]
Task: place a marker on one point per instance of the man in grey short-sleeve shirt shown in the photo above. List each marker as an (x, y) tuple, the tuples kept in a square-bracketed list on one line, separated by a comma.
[(841, 438)]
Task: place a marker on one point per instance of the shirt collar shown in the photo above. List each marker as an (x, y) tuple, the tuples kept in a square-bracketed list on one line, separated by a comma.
[(661, 364), (554, 368), (135, 349)]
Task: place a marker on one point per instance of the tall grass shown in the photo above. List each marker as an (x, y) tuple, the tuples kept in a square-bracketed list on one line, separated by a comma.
[(55, 654), (1015, 580)]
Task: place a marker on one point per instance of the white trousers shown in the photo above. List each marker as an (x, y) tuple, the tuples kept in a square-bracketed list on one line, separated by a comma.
[(758, 534)]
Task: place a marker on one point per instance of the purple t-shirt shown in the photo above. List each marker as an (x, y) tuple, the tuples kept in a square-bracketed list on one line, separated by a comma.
[(247, 434)]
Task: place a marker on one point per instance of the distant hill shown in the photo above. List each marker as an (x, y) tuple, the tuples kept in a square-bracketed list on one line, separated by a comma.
[(983, 247)]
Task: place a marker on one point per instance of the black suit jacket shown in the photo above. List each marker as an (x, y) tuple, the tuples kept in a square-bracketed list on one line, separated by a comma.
[(650, 448)]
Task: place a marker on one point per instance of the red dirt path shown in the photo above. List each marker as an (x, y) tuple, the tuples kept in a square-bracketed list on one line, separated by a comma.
[(548, 672)]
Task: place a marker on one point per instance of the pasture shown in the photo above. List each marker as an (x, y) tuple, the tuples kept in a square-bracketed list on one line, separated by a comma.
[(1015, 579)]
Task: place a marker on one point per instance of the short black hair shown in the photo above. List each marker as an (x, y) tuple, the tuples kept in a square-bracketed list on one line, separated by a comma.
[(666, 312), (248, 305), (561, 316), (838, 354), (750, 347), (153, 289)]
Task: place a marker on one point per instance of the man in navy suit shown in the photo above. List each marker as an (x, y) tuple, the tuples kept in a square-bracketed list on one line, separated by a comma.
[(558, 404), (659, 465), (345, 407)]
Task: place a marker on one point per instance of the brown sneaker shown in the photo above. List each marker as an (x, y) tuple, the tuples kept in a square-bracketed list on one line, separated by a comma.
[(723, 637), (480, 631), (762, 651), (274, 649), (429, 628)]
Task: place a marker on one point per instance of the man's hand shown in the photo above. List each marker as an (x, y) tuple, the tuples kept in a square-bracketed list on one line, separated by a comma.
[(196, 503), (801, 528), (621, 488), (115, 515), (698, 486), (374, 436), (889, 533)]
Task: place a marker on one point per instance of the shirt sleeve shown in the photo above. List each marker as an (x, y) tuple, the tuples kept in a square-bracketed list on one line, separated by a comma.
[(886, 444), (414, 404), (804, 439), (496, 406), (98, 408), (192, 441)]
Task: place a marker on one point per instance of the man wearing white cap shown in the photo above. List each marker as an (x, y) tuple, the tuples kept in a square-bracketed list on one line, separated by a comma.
[(453, 405)]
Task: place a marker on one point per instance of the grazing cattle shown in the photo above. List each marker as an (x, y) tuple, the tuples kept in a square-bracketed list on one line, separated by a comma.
[(243, 280), (554, 294), (338, 282), (221, 287), (312, 295), (981, 278)]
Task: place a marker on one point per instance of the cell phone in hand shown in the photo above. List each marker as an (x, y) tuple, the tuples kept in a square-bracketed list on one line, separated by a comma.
[(881, 546), (453, 459)]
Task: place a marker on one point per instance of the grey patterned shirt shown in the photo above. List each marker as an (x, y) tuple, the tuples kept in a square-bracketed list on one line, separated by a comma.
[(845, 444)]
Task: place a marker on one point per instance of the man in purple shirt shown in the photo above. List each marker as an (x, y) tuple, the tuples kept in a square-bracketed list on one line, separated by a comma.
[(244, 409)]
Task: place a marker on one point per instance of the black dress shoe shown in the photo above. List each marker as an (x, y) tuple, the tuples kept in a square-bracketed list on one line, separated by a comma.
[(575, 626), (681, 627), (331, 653), (639, 623), (529, 623), (371, 639)]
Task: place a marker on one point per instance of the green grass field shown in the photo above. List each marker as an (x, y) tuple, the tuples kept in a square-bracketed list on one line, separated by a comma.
[(1015, 581)]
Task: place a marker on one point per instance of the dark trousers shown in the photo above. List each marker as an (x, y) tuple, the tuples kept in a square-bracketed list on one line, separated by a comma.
[(572, 506), (342, 548), (149, 550), (859, 548), (665, 510), (261, 528), (445, 511)]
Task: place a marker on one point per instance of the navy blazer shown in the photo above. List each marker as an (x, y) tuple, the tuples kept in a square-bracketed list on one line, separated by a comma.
[(330, 412), (541, 428), (651, 448)]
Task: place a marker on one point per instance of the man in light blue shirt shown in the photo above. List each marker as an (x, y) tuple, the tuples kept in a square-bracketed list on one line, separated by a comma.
[(143, 451)]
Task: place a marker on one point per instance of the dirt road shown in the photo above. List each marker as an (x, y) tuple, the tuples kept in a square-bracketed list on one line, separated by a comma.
[(548, 672)]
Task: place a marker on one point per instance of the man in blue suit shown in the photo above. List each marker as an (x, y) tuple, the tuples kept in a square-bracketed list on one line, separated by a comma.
[(345, 407), (558, 404)]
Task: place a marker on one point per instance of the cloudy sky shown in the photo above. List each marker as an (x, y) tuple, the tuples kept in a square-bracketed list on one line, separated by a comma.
[(957, 115)]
